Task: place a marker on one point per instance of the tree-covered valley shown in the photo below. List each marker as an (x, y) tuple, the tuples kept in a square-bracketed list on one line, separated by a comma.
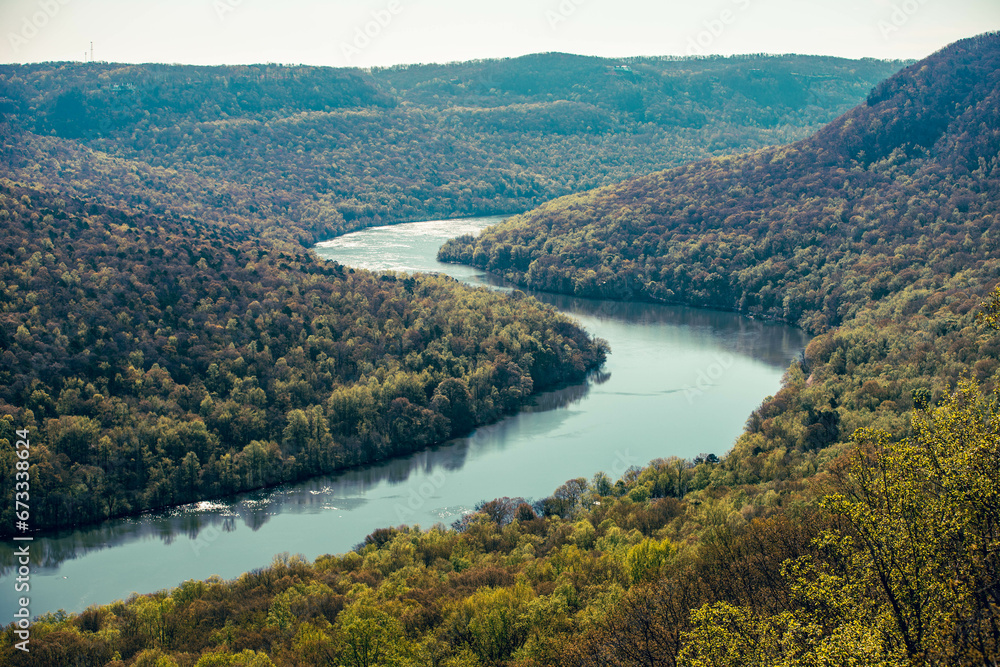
[(897, 191), (854, 522), (160, 362), (166, 329), (328, 150)]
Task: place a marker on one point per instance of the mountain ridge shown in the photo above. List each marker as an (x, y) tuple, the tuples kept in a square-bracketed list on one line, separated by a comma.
[(773, 206), (348, 148)]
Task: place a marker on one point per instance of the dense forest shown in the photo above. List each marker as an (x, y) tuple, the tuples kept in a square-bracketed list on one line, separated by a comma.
[(855, 519), (164, 327), (674, 564), (328, 150), (161, 361), (900, 190)]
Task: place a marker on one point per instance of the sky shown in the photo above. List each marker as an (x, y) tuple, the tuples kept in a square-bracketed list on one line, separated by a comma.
[(367, 33)]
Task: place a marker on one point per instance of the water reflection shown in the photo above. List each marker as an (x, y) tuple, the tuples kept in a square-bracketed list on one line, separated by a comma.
[(679, 382), (341, 491), (770, 342)]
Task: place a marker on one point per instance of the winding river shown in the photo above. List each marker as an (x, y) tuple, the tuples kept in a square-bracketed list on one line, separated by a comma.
[(678, 382)]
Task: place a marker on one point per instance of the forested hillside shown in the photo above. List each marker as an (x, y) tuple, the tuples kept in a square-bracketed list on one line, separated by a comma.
[(900, 191), (855, 520), (877, 234), (159, 360), (674, 564), (328, 150), (164, 327)]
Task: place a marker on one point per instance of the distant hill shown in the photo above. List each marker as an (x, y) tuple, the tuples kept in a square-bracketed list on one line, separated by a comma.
[(760, 90), (325, 150), (901, 189), (87, 100)]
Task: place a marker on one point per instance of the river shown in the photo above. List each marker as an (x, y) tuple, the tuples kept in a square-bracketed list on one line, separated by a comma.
[(678, 382)]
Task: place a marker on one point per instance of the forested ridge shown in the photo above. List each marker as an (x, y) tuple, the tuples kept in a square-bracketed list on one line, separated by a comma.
[(328, 150), (855, 519), (158, 362), (674, 564), (168, 334), (899, 190)]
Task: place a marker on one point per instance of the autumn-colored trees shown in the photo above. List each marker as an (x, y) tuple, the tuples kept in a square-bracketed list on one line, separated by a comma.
[(899, 190), (907, 577), (155, 368), (284, 364), (896, 566), (327, 150), (165, 329)]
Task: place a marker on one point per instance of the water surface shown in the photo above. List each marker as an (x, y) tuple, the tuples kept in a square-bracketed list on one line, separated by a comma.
[(679, 382)]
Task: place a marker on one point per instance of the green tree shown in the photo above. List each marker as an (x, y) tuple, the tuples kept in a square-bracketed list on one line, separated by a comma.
[(494, 622), (246, 658), (646, 560), (369, 635)]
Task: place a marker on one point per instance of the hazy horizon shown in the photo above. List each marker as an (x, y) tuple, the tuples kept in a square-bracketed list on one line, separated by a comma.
[(381, 33)]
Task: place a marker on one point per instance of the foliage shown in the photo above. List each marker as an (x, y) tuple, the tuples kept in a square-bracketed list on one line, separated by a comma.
[(900, 191), (703, 562), (897, 566), (160, 361), (168, 338), (910, 578), (326, 150)]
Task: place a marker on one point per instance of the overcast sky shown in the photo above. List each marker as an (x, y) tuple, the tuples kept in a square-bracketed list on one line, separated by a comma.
[(386, 32)]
